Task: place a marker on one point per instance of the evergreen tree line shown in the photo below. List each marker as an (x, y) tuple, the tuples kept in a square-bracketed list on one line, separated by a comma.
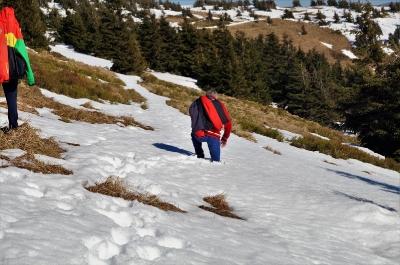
[(226, 5), (264, 69)]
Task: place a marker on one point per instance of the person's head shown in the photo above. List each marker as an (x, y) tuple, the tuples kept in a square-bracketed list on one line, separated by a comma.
[(212, 93)]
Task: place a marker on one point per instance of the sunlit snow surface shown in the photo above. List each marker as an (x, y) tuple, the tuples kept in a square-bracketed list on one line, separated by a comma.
[(299, 207)]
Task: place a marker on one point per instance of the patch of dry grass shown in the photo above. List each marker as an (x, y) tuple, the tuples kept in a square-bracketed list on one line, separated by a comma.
[(27, 139), (337, 150), (326, 161), (272, 150), (78, 80), (219, 206), (88, 105), (30, 97), (312, 40), (29, 162), (115, 187)]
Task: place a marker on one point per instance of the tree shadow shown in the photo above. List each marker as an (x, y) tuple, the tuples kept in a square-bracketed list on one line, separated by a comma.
[(172, 148), (364, 200), (384, 186)]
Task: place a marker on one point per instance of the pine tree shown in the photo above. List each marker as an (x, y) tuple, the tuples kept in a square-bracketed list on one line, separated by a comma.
[(110, 25), (303, 30), (336, 18), (296, 3), (343, 4), (88, 13), (307, 17), (150, 40), (169, 53), (372, 107), (287, 14), (129, 59), (332, 3), (189, 49), (73, 31), (394, 38)]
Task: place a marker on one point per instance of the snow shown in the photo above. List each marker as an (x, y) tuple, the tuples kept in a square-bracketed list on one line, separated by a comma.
[(180, 80), (327, 45), (349, 54), (299, 207)]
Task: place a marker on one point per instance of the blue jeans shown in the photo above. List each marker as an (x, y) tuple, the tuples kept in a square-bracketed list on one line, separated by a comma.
[(11, 91), (214, 145)]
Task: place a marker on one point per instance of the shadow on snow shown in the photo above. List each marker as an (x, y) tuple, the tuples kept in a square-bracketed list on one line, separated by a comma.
[(364, 200), (172, 148), (386, 187)]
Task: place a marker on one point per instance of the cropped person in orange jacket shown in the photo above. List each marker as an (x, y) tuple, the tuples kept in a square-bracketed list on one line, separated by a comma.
[(208, 116), (14, 63)]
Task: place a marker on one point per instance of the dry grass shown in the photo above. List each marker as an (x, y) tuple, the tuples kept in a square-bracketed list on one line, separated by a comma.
[(337, 150), (30, 98), (88, 105), (312, 40), (29, 162), (219, 206), (272, 150), (115, 187), (78, 80), (26, 139), (326, 161)]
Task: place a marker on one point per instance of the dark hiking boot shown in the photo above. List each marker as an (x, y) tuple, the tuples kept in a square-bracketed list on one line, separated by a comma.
[(5, 129)]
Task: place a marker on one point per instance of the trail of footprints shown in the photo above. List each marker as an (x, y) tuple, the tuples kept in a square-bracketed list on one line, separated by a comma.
[(124, 238), (130, 227)]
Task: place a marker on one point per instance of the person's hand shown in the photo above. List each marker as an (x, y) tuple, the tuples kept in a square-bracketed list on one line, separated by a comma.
[(223, 143)]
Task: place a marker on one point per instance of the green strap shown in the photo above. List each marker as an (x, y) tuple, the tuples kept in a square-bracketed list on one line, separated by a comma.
[(21, 49)]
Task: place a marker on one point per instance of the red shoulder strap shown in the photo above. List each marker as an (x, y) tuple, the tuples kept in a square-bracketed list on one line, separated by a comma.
[(212, 113)]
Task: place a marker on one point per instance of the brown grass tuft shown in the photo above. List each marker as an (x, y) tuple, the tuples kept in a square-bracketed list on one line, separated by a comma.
[(326, 161), (115, 187), (88, 105), (220, 206), (272, 150), (29, 162), (73, 144), (26, 139)]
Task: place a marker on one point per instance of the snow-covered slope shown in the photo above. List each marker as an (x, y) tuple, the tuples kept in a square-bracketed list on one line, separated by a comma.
[(300, 207)]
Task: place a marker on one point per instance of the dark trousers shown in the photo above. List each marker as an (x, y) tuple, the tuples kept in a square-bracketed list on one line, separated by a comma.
[(11, 91)]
